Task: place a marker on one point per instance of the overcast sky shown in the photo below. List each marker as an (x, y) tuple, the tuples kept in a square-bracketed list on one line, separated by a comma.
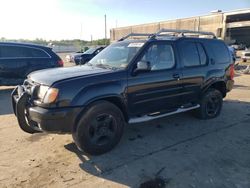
[(74, 19)]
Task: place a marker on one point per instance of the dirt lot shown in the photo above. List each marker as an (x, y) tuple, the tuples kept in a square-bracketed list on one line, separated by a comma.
[(180, 149)]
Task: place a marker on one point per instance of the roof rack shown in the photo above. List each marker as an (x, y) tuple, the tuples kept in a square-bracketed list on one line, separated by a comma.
[(169, 32), (182, 33), (137, 35)]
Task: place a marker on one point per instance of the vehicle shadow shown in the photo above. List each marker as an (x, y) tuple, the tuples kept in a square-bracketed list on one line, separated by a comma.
[(5, 101), (162, 148), (242, 87)]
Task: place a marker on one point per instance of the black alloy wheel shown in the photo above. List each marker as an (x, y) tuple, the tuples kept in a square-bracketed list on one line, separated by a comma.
[(99, 129)]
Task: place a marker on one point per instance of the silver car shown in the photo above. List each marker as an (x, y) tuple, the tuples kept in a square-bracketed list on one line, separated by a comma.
[(245, 56)]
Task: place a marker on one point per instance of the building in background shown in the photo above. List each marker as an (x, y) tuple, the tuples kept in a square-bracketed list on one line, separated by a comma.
[(233, 26)]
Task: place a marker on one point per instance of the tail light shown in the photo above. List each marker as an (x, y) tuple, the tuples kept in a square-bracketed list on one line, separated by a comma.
[(231, 71), (60, 63)]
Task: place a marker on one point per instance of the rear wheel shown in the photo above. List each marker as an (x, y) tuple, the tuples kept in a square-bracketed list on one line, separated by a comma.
[(210, 104), (99, 129)]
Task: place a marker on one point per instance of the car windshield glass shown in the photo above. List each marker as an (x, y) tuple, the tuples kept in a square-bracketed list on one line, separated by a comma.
[(90, 51), (116, 56)]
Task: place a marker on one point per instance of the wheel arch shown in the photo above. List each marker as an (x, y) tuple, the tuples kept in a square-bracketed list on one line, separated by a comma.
[(114, 99), (219, 85)]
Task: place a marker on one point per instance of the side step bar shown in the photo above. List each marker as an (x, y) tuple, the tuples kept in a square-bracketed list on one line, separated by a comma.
[(150, 117)]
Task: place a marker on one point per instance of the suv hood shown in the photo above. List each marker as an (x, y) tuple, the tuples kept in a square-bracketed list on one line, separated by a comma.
[(50, 76)]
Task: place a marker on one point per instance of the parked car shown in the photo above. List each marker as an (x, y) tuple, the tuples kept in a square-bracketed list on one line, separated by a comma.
[(17, 60), (239, 46), (86, 56), (245, 56), (70, 57), (130, 81), (233, 53)]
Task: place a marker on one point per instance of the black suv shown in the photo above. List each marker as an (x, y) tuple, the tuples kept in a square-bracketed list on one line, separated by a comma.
[(130, 81), (17, 60), (87, 56)]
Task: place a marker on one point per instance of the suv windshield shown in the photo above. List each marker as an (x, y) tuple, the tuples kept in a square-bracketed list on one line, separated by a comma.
[(90, 51), (116, 56)]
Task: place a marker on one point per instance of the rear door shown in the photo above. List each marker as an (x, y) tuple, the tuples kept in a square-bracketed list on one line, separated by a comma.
[(159, 89), (194, 61), (13, 63), (39, 59)]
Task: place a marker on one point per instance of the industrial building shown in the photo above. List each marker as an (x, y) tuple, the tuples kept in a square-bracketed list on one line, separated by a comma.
[(232, 26)]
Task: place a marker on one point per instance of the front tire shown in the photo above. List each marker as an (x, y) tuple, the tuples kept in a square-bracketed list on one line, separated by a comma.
[(210, 104), (23, 117), (99, 129)]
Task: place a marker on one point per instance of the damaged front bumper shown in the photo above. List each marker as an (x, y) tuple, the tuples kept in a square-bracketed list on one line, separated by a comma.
[(56, 120)]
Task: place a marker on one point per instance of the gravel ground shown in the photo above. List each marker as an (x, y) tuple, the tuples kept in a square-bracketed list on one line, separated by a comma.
[(181, 150)]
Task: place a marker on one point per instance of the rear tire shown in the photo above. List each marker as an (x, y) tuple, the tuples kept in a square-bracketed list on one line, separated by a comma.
[(99, 129), (210, 104)]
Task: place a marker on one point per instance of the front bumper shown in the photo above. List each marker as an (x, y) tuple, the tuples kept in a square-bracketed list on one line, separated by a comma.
[(56, 120)]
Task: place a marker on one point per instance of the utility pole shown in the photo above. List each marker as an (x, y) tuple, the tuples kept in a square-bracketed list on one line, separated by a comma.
[(105, 20), (81, 44), (81, 32)]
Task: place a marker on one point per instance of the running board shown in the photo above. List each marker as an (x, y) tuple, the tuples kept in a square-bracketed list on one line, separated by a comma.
[(150, 117)]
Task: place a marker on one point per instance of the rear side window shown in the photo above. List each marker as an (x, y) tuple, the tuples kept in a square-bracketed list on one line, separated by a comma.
[(192, 54), (21, 52), (38, 53), (220, 52), (189, 54), (12, 52)]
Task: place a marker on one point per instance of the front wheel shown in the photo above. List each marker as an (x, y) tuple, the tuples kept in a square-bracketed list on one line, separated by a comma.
[(99, 129), (210, 104), (25, 123)]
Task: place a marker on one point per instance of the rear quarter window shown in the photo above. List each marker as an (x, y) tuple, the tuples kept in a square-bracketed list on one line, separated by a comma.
[(38, 53), (219, 51)]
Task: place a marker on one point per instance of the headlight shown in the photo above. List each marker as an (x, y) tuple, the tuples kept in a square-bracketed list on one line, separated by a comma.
[(47, 95), (42, 91)]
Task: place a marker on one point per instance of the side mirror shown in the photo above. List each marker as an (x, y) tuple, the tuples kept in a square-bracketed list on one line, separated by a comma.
[(143, 66)]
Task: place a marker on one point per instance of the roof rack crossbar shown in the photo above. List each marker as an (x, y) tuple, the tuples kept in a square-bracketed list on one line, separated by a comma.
[(182, 32), (163, 32), (136, 34)]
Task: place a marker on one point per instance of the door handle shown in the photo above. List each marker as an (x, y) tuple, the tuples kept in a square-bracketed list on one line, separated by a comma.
[(176, 76), (212, 61)]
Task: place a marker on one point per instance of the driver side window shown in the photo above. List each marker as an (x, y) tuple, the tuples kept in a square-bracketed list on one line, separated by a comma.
[(160, 57)]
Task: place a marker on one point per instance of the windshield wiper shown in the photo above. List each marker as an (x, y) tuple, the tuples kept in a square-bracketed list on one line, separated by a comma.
[(106, 66), (89, 64)]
